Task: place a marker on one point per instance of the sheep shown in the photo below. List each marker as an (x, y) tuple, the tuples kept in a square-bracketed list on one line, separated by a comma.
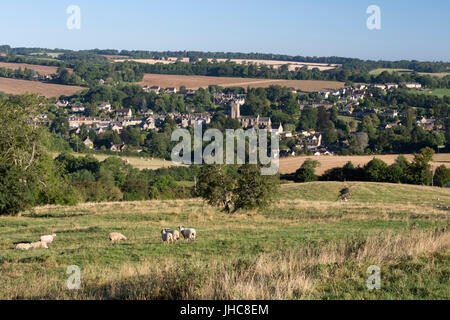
[(23, 246), (116, 237), (39, 244), (166, 237), (188, 233), (48, 238), (175, 234)]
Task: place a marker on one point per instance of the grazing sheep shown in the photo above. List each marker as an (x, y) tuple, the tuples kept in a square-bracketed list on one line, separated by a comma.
[(48, 238), (175, 234), (188, 233), (39, 244), (23, 246), (116, 237), (166, 236)]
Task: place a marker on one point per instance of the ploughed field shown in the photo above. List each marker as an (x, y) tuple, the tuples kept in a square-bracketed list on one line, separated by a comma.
[(195, 82), (310, 244), (16, 86)]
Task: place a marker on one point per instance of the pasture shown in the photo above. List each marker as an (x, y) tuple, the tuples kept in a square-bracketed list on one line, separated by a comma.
[(435, 92), (137, 162), (16, 86), (307, 245), (291, 164), (196, 82)]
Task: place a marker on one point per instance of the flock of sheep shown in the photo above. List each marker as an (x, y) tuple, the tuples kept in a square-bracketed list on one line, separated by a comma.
[(167, 236), (42, 243)]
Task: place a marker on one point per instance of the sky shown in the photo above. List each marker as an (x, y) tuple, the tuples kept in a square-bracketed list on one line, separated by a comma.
[(410, 29)]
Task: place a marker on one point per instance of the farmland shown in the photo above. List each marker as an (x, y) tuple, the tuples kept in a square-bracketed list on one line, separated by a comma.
[(15, 86), (195, 82), (291, 164), (42, 70), (287, 165), (307, 245), (137, 162), (292, 65), (376, 72)]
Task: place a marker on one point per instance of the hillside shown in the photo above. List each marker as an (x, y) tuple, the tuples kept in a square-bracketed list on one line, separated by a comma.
[(308, 245)]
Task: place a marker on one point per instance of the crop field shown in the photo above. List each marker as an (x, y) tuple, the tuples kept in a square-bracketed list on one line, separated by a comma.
[(16, 86), (291, 164), (307, 245), (195, 82), (42, 70), (293, 65)]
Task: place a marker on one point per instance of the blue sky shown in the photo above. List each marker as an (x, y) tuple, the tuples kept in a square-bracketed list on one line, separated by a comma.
[(409, 29)]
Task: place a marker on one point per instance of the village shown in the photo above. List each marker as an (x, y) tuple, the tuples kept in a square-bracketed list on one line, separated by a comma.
[(346, 100)]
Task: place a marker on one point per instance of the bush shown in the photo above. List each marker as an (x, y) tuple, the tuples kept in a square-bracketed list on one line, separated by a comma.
[(442, 176)]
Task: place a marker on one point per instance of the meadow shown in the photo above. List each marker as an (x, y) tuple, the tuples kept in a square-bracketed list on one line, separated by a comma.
[(137, 162), (308, 245), (376, 72), (435, 92)]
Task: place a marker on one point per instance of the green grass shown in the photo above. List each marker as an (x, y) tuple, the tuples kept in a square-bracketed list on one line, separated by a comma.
[(306, 245), (376, 72), (137, 162), (436, 92)]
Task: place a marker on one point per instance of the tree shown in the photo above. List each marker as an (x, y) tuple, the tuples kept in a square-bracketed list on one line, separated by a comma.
[(306, 173), (420, 168), (441, 176), (235, 187), (28, 174)]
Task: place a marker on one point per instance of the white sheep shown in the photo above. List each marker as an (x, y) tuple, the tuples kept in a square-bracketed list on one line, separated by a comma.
[(175, 234), (23, 246), (166, 236), (116, 237), (48, 238), (188, 233), (39, 244)]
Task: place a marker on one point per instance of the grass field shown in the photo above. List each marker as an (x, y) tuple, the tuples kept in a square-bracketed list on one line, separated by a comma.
[(435, 92), (380, 70), (137, 162), (15, 86), (308, 245), (291, 164), (195, 82)]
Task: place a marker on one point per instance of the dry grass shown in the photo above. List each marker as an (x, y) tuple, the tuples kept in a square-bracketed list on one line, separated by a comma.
[(15, 86), (291, 164), (305, 246), (195, 82), (293, 274)]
